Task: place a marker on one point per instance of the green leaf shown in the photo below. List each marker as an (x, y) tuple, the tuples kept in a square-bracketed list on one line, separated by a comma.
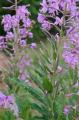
[(47, 85), (37, 118), (54, 55), (41, 109)]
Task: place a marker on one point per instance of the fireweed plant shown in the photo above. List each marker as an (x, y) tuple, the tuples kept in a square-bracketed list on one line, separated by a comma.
[(53, 86), (17, 30), (64, 16)]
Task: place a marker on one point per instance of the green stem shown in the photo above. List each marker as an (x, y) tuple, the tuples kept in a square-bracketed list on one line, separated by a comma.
[(67, 118), (15, 5)]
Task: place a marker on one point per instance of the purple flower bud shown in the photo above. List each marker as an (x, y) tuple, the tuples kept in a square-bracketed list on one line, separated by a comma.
[(8, 102), (14, 21), (23, 33), (41, 18), (66, 109), (3, 44), (69, 94), (27, 22), (59, 21), (46, 25), (44, 6), (9, 36), (22, 11), (33, 45), (23, 43), (30, 34), (6, 21)]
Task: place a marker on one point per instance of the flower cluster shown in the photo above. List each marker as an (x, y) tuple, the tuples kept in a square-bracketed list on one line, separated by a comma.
[(53, 12), (8, 102), (71, 48), (59, 14), (16, 27)]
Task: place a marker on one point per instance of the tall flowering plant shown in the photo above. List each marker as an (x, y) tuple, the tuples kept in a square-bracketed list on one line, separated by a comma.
[(63, 15), (56, 12), (52, 85), (17, 27), (17, 30)]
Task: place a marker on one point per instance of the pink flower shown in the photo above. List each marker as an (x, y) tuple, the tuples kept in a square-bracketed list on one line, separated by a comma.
[(44, 6), (30, 34), (59, 21), (22, 11), (46, 25), (27, 22), (6, 21), (21, 21), (9, 36), (14, 21), (51, 9), (69, 94), (8, 102), (3, 44), (41, 18), (33, 45), (66, 109), (23, 43)]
